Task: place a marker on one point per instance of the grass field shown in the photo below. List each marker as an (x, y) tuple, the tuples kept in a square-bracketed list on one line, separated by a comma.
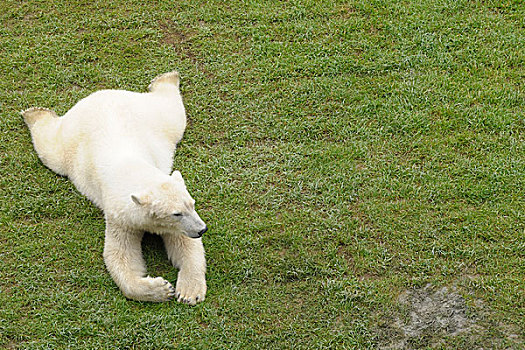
[(354, 161)]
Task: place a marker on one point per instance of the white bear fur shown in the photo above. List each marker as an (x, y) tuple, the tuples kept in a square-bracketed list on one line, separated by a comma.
[(117, 148)]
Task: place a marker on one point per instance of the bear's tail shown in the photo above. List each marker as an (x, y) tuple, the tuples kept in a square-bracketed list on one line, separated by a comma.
[(165, 82), (44, 126)]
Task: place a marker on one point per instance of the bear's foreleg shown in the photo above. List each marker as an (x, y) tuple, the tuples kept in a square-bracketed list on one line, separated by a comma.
[(187, 254), (123, 258)]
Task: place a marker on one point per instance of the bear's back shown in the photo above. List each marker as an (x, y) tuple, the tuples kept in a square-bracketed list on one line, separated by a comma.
[(112, 127)]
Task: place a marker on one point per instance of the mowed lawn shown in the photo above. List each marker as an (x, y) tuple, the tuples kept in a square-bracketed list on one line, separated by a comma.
[(347, 156)]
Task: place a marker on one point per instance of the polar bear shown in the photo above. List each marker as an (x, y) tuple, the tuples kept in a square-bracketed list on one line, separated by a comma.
[(117, 148)]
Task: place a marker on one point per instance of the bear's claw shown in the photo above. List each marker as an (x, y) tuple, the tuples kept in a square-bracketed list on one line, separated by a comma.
[(190, 291), (152, 289)]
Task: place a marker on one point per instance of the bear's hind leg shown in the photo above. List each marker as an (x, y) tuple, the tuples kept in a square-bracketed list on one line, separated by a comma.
[(167, 82), (123, 258), (44, 127)]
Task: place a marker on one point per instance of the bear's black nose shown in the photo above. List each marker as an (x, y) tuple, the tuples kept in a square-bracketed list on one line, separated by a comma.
[(203, 231)]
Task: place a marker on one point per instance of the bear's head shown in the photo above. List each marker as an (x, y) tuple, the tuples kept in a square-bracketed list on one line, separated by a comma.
[(168, 208)]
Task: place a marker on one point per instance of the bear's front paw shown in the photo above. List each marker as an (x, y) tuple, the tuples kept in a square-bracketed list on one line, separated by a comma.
[(156, 289), (190, 289)]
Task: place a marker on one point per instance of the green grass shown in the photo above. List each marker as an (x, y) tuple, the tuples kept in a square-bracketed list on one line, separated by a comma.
[(341, 152)]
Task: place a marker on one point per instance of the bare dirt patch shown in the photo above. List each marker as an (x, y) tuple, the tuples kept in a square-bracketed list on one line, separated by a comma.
[(173, 35), (180, 39), (429, 314), (439, 317)]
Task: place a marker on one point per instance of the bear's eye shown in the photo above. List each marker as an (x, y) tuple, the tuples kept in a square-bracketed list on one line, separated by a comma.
[(177, 214)]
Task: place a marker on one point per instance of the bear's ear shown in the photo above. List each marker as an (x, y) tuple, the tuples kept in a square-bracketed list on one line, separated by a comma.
[(140, 199), (177, 176)]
